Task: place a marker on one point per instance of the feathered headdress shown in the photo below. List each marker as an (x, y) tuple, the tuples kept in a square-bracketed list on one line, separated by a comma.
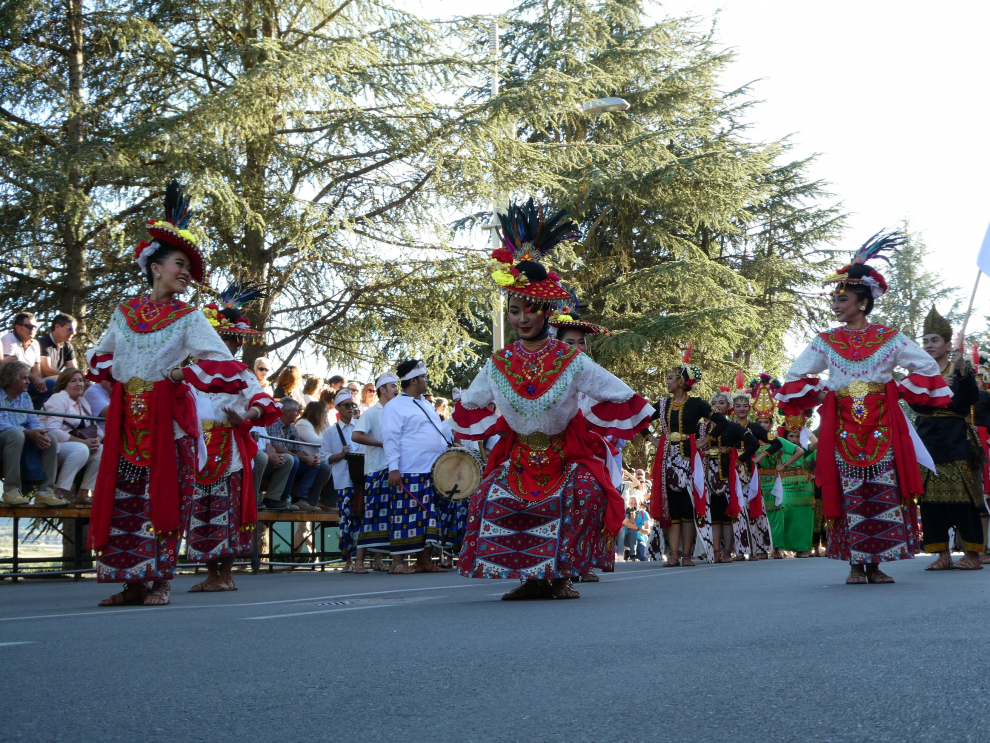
[(226, 316), (858, 272), (741, 390), (528, 235), (566, 315), (173, 231)]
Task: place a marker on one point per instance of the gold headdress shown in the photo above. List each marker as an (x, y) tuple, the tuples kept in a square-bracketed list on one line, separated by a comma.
[(935, 324)]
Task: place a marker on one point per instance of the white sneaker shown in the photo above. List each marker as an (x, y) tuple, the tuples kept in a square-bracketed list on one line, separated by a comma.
[(13, 497), (48, 498)]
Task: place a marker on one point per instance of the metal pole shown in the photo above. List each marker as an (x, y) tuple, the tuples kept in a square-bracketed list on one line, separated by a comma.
[(498, 315), (42, 413)]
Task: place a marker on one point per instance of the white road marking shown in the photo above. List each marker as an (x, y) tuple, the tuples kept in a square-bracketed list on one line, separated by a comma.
[(322, 611), (10, 644)]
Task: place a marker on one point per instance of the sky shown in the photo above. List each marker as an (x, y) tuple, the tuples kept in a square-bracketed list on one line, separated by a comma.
[(891, 95)]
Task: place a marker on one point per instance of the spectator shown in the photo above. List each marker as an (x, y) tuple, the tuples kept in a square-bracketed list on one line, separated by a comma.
[(312, 390), (428, 396), (17, 430), (355, 388), (78, 442), (261, 367), (368, 397), (335, 383), (308, 469), (637, 528), (326, 397), (284, 428), (310, 428), (57, 353), (290, 385), (442, 407), (97, 396), (21, 345)]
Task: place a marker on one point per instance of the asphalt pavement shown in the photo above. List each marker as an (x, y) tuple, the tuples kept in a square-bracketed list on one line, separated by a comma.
[(770, 651)]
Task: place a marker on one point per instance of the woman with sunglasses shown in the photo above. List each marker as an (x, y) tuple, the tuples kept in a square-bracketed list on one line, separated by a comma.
[(262, 366)]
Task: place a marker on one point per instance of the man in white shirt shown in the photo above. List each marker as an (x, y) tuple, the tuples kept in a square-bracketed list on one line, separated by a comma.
[(413, 437), (334, 450), (22, 345), (376, 529)]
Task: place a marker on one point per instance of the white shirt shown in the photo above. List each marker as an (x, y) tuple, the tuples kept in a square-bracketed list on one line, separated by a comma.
[(411, 433), (97, 398), (308, 434), (332, 445), (12, 346), (370, 424)]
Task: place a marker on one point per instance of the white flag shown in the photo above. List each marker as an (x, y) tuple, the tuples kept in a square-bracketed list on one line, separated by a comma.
[(983, 259)]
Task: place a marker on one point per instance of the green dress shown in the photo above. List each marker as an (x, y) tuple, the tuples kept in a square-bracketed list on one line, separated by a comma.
[(792, 522)]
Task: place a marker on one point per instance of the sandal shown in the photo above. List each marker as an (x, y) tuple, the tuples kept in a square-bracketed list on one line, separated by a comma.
[(964, 564), (984, 558), (160, 595), (133, 593), (221, 585), (591, 577), (726, 558), (856, 579), (380, 566), (717, 557), (944, 562), (673, 560), (564, 589), (739, 558), (347, 569), (687, 562), (877, 576), (399, 568), (777, 554), (530, 589), (429, 568), (200, 587), (359, 570)]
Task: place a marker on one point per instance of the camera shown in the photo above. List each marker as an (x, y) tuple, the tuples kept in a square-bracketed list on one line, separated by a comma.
[(630, 512)]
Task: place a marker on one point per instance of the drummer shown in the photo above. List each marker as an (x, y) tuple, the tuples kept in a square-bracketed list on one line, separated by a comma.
[(413, 437), (336, 446), (376, 532)]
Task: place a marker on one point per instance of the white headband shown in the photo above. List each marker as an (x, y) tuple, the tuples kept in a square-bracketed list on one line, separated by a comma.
[(418, 371), (456, 394), (343, 395), (386, 378)]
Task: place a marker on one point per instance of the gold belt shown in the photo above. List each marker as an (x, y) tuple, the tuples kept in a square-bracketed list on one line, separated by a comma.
[(943, 414), (540, 441), (207, 425), (136, 385), (677, 437), (859, 388), (715, 450)]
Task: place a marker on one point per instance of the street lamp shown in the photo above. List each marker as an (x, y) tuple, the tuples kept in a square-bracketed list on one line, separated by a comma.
[(588, 108)]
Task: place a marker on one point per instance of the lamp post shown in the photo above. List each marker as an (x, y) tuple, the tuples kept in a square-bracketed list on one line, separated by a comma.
[(588, 108)]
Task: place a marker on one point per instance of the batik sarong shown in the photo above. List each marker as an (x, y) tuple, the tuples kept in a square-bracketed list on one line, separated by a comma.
[(415, 523), (134, 552), (349, 527), (559, 536), (453, 521), (876, 526), (376, 530), (215, 529), (752, 534)]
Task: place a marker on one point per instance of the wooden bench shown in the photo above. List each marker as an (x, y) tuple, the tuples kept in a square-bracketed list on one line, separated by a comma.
[(79, 557)]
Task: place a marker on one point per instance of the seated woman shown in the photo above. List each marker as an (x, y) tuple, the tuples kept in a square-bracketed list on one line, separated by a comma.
[(79, 442)]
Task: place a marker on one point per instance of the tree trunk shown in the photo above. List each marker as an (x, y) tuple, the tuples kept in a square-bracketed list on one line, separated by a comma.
[(75, 200)]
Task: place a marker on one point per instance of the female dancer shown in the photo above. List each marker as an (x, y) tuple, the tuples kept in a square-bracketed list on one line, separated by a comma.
[(148, 470), (678, 475), (751, 527), (783, 458), (224, 508), (723, 464), (870, 482), (539, 513)]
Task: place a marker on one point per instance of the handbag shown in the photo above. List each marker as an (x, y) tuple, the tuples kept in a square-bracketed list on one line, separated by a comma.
[(85, 431)]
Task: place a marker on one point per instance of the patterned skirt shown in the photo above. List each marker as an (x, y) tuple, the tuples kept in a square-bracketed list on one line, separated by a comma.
[(415, 520), (215, 529), (134, 552), (752, 535), (876, 526), (560, 536), (376, 529), (349, 526)]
